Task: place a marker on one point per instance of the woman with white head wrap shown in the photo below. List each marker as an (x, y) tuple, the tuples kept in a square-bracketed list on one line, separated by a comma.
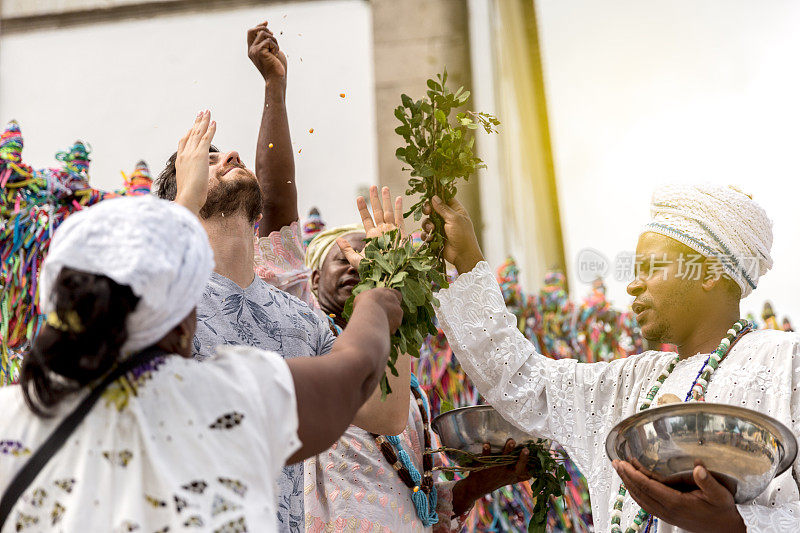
[(173, 443), (330, 277)]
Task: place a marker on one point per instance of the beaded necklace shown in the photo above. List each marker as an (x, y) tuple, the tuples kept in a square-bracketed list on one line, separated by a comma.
[(422, 491), (697, 393)]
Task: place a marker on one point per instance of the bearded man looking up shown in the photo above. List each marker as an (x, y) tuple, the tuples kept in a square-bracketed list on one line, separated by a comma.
[(238, 307), (729, 237)]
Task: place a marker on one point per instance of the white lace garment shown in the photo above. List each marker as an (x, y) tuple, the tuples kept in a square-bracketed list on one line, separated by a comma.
[(578, 404), (173, 445)]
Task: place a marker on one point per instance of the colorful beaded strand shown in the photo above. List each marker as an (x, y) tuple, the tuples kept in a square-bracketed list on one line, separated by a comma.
[(423, 493)]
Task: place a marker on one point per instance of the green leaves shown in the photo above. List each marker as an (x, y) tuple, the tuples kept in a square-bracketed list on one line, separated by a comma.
[(442, 148), (445, 406), (394, 262), (549, 476), (438, 152)]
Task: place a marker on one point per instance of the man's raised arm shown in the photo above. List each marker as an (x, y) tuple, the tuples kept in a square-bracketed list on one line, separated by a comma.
[(274, 157)]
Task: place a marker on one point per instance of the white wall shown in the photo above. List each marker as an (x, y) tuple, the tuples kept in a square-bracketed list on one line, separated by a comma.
[(642, 93), (494, 240), (132, 88)]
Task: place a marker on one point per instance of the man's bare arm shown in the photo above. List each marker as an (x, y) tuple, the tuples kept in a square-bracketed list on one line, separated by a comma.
[(388, 416), (274, 156)]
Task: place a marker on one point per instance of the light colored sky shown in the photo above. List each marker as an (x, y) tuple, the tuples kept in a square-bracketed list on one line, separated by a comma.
[(644, 93)]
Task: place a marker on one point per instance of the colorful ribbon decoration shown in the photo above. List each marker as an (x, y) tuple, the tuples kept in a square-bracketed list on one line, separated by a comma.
[(33, 203)]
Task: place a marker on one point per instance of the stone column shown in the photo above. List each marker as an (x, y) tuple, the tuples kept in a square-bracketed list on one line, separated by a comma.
[(413, 40)]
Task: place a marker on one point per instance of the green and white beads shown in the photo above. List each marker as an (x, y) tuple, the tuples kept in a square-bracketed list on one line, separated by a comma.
[(660, 381)]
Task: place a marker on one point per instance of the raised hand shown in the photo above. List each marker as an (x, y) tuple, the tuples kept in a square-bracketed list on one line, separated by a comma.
[(264, 52), (461, 244), (191, 164), (383, 219)]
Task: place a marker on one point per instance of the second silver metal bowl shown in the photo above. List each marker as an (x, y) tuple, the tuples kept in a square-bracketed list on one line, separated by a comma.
[(743, 449), (468, 428)]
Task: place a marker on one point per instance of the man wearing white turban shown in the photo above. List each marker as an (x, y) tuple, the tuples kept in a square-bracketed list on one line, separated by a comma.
[(704, 249), (172, 444)]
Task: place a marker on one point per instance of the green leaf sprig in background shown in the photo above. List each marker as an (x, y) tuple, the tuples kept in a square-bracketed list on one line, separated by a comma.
[(546, 468)]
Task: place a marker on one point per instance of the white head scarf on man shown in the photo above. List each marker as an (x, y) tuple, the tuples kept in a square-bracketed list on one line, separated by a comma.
[(716, 221), (155, 247), (321, 245)]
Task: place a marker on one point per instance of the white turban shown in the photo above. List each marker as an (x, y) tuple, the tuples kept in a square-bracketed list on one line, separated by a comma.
[(716, 221), (320, 245), (155, 247)]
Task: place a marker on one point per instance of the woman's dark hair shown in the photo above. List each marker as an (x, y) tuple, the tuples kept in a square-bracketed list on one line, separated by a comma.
[(92, 310)]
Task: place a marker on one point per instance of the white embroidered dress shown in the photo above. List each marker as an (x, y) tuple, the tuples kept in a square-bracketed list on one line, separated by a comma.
[(174, 445), (577, 404)]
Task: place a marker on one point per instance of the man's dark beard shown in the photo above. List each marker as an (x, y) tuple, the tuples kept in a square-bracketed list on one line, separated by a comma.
[(235, 196)]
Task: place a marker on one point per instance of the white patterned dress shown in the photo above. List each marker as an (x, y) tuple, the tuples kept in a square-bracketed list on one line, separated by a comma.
[(577, 404), (174, 445), (351, 487)]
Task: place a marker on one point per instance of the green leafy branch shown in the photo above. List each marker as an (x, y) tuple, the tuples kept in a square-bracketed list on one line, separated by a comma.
[(394, 262), (439, 152)]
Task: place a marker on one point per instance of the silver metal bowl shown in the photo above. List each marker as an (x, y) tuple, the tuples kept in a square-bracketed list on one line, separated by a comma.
[(743, 449), (469, 428)]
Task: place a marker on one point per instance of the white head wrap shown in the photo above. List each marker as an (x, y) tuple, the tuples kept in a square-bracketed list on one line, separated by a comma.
[(320, 245), (155, 247), (716, 221)]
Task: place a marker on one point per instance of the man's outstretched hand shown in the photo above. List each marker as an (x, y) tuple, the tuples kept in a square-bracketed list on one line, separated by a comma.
[(263, 50), (383, 219)]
